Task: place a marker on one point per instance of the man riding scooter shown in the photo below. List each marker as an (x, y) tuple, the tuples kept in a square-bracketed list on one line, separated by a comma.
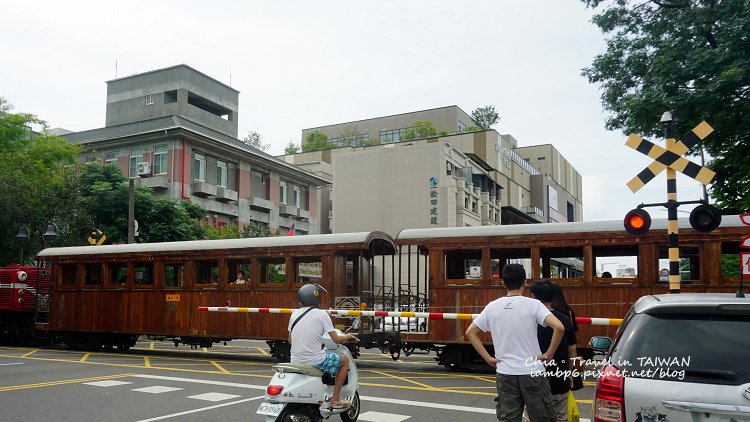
[(306, 328)]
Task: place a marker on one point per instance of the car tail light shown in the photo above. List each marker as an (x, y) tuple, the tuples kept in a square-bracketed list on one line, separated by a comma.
[(609, 403), (274, 390)]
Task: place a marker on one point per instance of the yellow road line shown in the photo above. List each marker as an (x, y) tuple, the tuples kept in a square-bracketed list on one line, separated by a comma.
[(205, 349), (62, 382), (151, 346), (402, 379), (30, 353), (221, 368), (146, 362), (85, 357), (430, 389), (262, 351)]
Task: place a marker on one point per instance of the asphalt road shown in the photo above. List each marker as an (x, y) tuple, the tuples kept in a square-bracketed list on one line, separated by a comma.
[(156, 381)]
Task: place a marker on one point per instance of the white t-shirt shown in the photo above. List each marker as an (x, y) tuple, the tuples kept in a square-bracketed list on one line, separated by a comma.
[(307, 337), (512, 321)]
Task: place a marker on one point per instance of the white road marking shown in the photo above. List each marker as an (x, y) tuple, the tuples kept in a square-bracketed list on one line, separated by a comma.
[(381, 417), (15, 363), (157, 389), (106, 383), (213, 396), (174, 415), (197, 381), (430, 405)]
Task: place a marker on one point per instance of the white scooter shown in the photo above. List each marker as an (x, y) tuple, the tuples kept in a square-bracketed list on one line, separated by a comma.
[(300, 393)]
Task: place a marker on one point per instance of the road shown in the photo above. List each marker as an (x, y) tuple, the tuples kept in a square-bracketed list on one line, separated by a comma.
[(156, 381)]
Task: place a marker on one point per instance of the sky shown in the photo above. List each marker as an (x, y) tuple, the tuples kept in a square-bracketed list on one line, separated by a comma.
[(301, 64)]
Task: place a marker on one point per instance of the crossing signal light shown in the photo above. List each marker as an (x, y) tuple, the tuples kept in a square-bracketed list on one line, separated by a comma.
[(637, 222), (705, 218)]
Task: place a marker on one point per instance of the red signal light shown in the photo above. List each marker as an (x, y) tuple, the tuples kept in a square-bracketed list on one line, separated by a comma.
[(637, 222), (274, 390)]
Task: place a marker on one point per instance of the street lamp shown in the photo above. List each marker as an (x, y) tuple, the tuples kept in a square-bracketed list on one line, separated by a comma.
[(24, 235)]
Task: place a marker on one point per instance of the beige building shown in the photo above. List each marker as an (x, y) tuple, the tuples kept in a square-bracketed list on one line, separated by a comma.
[(454, 180)]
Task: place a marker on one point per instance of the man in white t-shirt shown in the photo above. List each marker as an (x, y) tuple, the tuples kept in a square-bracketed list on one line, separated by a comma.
[(512, 321), (306, 328)]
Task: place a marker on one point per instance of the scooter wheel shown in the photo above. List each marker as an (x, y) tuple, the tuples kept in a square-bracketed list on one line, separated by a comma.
[(352, 413)]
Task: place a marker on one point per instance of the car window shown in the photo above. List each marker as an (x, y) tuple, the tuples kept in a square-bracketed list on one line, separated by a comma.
[(694, 348)]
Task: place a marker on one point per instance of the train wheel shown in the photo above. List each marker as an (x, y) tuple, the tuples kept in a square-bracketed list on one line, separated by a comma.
[(395, 350), (123, 347)]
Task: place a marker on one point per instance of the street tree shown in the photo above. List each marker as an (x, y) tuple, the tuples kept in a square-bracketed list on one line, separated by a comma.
[(291, 148), (254, 140), (485, 117), (688, 57), (37, 184)]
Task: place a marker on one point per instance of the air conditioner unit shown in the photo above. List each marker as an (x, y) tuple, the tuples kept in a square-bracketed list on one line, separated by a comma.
[(144, 169)]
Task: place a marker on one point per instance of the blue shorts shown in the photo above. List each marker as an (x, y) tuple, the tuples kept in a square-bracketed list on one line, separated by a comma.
[(330, 364)]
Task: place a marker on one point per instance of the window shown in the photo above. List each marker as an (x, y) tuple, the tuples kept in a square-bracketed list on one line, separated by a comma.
[(144, 273), (174, 275), (282, 192), (89, 159), (160, 159), (149, 99), (239, 272), (463, 265), (200, 167), (562, 262), (136, 157), (221, 173), (259, 184), (308, 269), (110, 158), (170, 97), (390, 136), (461, 126), (297, 197), (272, 271), (615, 262), (92, 274), (207, 272), (69, 275), (501, 257), (118, 274)]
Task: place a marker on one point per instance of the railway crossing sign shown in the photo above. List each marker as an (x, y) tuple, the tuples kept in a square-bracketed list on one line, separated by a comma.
[(670, 157), (96, 238), (745, 262)]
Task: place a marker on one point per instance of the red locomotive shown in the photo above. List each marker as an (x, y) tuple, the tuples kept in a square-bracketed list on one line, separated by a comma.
[(24, 300)]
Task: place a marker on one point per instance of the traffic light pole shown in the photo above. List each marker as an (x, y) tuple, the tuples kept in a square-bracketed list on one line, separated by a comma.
[(672, 225)]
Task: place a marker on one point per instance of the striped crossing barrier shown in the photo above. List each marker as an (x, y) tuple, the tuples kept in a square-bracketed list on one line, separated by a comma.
[(433, 316)]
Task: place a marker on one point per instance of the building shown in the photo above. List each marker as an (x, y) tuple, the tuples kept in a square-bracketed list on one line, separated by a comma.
[(183, 123), (451, 180)]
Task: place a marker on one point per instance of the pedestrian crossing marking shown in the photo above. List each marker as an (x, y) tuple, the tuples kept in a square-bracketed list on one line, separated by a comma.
[(157, 389), (213, 396)]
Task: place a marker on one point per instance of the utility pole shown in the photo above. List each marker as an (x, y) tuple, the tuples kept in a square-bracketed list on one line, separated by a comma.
[(131, 210)]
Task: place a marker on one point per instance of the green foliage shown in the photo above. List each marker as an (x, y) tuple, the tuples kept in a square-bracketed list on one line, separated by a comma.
[(485, 117), (254, 140), (233, 231), (291, 148), (419, 129), (473, 128), (730, 265), (316, 141), (688, 57), (443, 133), (38, 184)]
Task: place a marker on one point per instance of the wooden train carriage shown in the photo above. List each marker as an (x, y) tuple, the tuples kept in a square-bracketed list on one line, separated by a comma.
[(108, 295), (460, 269)]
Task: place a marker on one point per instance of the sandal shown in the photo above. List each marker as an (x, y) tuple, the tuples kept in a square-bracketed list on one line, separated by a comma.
[(341, 404)]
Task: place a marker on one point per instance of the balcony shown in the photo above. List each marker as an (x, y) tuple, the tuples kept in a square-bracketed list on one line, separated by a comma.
[(533, 210), (260, 204), (203, 189), (226, 195), (156, 182), (288, 210)]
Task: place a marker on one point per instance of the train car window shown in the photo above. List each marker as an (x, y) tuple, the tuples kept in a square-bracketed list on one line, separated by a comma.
[(272, 271), (92, 274), (207, 273), (613, 262), (238, 272), (501, 257), (463, 265), (308, 269), (174, 275), (118, 274), (730, 261), (690, 264), (562, 262), (143, 273), (69, 275)]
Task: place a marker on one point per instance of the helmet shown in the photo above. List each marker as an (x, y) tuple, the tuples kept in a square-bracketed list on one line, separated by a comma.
[(309, 294)]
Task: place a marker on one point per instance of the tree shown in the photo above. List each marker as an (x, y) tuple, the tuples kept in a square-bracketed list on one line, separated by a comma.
[(316, 141), (253, 139), (291, 148), (485, 117), (689, 57), (419, 129), (38, 184)]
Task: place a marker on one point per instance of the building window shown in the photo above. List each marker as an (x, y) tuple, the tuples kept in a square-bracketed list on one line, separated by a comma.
[(390, 136), (297, 197), (282, 192), (160, 159), (136, 157), (221, 173), (448, 168), (89, 159), (200, 167), (149, 99), (110, 158), (461, 126)]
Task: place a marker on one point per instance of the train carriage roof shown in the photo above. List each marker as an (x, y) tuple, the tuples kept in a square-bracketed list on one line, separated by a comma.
[(544, 228), (371, 242)]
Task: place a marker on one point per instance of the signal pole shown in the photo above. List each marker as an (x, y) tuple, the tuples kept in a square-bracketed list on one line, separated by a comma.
[(667, 123)]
